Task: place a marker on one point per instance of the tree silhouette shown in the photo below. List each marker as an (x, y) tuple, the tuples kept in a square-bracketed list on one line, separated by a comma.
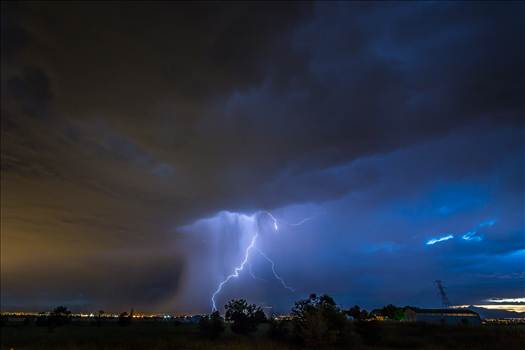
[(259, 316), (59, 316), (244, 317), (357, 313), (124, 318), (391, 312), (318, 321), (61, 310)]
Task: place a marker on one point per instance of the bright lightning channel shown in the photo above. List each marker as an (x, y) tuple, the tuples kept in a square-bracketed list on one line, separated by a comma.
[(240, 268), (253, 275), (283, 283), (236, 271), (273, 219), (301, 222)]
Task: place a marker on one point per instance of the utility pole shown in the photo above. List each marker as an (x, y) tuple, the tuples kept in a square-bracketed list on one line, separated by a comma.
[(445, 303)]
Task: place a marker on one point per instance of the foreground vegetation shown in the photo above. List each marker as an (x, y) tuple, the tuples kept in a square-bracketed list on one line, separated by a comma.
[(317, 323), (165, 335)]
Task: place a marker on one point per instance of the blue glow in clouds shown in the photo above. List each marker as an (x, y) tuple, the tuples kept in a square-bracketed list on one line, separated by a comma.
[(276, 228), (236, 271), (253, 219), (487, 223), (471, 236), (283, 283), (440, 239)]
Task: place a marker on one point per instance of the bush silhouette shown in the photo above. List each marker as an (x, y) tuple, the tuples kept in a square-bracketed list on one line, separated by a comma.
[(124, 319), (244, 317), (357, 313), (391, 312), (318, 321), (59, 316)]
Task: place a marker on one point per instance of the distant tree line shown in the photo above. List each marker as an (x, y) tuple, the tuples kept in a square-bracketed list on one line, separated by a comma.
[(314, 322), (58, 317)]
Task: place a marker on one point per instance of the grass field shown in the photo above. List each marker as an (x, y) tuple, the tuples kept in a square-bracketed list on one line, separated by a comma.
[(160, 335)]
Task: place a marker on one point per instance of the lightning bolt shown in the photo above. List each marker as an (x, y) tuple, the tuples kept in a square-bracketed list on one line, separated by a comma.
[(253, 275), (283, 283), (237, 270), (273, 219), (299, 223)]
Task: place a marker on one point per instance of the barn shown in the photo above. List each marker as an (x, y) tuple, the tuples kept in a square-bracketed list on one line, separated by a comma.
[(443, 316)]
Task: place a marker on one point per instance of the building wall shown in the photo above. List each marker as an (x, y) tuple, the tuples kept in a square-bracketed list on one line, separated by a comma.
[(449, 319)]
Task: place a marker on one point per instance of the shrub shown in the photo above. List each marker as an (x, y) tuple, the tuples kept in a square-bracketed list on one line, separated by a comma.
[(59, 316), (124, 319), (318, 321), (357, 313), (391, 312), (244, 317)]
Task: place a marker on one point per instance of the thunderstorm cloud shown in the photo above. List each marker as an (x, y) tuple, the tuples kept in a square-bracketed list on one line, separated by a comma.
[(136, 139)]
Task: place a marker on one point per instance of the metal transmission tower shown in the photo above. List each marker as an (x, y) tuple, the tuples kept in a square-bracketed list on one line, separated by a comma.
[(444, 299)]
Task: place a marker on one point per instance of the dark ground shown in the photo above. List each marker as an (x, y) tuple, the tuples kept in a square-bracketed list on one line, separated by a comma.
[(165, 335)]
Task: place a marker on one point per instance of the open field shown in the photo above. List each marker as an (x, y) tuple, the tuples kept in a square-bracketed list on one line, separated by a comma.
[(165, 335)]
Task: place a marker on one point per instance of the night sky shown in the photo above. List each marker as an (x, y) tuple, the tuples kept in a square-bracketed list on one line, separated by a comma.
[(143, 143)]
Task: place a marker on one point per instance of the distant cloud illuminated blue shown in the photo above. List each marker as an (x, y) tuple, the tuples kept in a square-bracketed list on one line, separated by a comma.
[(487, 223), (440, 239), (458, 197), (383, 247), (445, 210), (471, 236)]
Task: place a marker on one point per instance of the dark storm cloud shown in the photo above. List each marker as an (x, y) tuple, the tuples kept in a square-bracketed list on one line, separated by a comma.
[(89, 284), (31, 92), (200, 82), (124, 121)]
